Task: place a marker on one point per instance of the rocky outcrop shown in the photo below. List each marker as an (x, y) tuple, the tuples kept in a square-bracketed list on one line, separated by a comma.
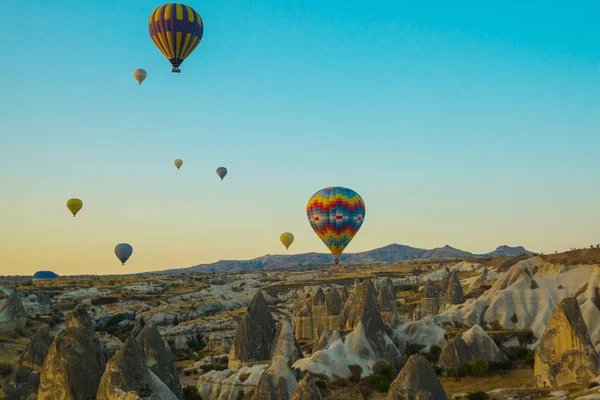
[(454, 292), (454, 354), (37, 349), (431, 300), (254, 339), (220, 343), (287, 345), (79, 318), (74, 365), (307, 389), (517, 272), (126, 377), (344, 294), (23, 385), (482, 280), (278, 382), (565, 354), (12, 313), (482, 346), (304, 324), (319, 312), (387, 302), (159, 358), (323, 341), (333, 305), (417, 381), (230, 384)]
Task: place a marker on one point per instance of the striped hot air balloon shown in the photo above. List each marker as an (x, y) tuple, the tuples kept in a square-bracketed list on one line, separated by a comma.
[(336, 214), (176, 30)]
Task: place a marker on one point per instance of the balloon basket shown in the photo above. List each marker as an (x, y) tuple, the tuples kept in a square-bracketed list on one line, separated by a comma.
[(176, 70)]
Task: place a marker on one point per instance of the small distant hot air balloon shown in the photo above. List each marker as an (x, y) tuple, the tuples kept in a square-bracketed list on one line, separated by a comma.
[(74, 205), (222, 171), (139, 75), (178, 163), (123, 251), (336, 214), (286, 239), (176, 30)]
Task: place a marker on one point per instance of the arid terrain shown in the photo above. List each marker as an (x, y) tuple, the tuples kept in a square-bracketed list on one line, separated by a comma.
[(490, 327)]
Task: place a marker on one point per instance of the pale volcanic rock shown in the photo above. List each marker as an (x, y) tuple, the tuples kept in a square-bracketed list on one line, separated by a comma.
[(454, 354), (565, 354), (79, 318), (159, 358), (454, 292), (386, 297), (431, 301), (304, 324), (12, 313), (254, 340), (278, 382), (334, 307), (287, 345), (482, 346), (74, 364), (126, 377), (417, 381), (319, 312), (307, 389), (323, 342)]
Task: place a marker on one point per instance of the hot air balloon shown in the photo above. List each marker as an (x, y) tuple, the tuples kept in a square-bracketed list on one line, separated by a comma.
[(123, 251), (286, 239), (139, 75), (178, 163), (222, 171), (336, 214), (176, 30), (74, 205)]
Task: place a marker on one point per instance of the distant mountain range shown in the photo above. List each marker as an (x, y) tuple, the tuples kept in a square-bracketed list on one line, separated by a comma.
[(388, 254)]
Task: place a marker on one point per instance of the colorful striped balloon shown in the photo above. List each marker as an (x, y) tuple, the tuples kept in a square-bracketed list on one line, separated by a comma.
[(176, 30), (336, 214)]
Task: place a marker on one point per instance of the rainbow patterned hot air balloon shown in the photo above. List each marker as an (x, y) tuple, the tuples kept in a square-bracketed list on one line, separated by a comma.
[(336, 214), (176, 30)]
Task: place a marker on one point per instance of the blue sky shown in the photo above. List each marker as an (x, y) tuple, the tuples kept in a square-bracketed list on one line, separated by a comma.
[(471, 124)]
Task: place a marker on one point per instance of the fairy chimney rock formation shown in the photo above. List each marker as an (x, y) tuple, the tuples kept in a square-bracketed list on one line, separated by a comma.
[(565, 354), (431, 300), (304, 324), (254, 339), (417, 381), (454, 293), (307, 389)]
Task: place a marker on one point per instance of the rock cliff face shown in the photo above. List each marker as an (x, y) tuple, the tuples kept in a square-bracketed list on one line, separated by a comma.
[(159, 358), (454, 293), (431, 300), (307, 389), (304, 324), (417, 381), (565, 354), (79, 318), (126, 377), (323, 341), (333, 305), (387, 302), (75, 363), (254, 340), (482, 346)]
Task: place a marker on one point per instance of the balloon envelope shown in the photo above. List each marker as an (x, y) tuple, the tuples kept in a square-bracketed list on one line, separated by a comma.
[(286, 239), (336, 214), (178, 163), (139, 75), (123, 251), (74, 205), (222, 171), (176, 30)]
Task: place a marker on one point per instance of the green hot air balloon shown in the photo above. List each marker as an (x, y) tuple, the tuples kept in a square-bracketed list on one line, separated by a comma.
[(123, 251)]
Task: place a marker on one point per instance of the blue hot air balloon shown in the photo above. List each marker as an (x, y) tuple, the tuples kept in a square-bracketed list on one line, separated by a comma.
[(123, 251)]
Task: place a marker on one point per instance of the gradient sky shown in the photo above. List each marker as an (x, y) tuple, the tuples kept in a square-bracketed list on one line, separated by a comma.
[(467, 123)]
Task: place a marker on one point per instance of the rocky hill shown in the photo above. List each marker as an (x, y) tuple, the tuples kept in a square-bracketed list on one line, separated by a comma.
[(388, 254)]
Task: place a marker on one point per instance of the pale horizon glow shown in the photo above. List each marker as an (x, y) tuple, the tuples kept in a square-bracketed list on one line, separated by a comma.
[(474, 126)]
